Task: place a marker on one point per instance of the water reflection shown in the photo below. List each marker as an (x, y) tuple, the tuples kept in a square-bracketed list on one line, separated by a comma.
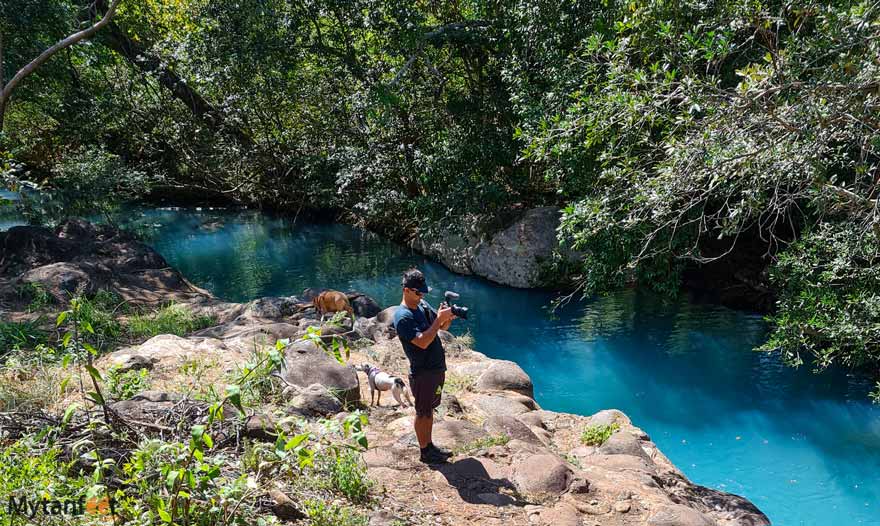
[(804, 448)]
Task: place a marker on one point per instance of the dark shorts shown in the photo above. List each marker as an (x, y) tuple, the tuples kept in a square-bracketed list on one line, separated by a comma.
[(427, 388)]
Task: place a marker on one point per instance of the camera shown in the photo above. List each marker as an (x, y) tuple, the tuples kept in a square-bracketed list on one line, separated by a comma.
[(459, 311)]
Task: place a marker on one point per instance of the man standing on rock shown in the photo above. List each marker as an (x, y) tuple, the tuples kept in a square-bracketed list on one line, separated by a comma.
[(417, 324)]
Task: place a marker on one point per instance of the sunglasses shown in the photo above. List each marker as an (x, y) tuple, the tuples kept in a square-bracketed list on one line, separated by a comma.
[(417, 292)]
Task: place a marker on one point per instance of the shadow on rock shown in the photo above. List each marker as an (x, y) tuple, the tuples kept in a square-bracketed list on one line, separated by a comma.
[(478, 481)]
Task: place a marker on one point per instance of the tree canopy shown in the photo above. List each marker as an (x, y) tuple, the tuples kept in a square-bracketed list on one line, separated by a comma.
[(675, 135)]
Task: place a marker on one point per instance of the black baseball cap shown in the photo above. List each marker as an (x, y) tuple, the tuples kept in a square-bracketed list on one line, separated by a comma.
[(414, 279)]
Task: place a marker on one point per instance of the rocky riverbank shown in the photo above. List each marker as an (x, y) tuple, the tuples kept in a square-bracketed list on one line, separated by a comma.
[(515, 463)]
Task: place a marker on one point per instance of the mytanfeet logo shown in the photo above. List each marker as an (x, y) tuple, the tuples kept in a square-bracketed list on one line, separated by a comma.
[(31, 507)]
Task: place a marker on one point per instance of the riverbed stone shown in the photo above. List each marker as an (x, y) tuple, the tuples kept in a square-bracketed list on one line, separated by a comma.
[(315, 400), (507, 425), (542, 475), (306, 364), (505, 375)]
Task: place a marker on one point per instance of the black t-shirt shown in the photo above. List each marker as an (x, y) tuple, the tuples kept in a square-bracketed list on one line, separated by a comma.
[(408, 323)]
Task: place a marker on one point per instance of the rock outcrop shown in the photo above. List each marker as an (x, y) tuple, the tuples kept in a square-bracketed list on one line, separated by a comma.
[(80, 255), (515, 256)]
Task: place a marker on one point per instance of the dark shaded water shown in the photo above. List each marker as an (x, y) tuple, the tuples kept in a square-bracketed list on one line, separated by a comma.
[(804, 448)]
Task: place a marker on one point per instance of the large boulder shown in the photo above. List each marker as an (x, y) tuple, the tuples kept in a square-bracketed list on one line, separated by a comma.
[(63, 279), (363, 305), (315, 400), (509, 426), (542, 474), (167, 352), (515, 255), (306, 364), (504, 375)]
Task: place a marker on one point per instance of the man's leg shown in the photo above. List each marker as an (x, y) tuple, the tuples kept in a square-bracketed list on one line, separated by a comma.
[(423, 426)]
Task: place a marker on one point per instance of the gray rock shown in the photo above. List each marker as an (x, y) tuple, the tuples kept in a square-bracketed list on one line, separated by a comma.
[(500, 405), (283, 506), (314, 400), (676, 515), (509, 426), (533, 419), (61, 280), (261, 427), (306, 364), (363, 305), (273, 307), (542, 474), (505, 376), (373, 330), (623, 443), (514, 256), (386, 316)]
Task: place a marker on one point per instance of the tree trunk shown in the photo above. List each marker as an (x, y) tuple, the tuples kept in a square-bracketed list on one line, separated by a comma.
[(138, 56), (6, 91)]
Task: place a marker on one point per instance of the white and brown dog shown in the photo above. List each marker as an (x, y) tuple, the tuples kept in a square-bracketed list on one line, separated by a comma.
[(381, 381)]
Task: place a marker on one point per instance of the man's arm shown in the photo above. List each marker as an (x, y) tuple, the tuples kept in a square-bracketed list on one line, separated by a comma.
[(443, 319)]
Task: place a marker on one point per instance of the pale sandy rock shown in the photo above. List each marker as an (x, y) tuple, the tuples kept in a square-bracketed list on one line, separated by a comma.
[(504, 375), (542, 474)]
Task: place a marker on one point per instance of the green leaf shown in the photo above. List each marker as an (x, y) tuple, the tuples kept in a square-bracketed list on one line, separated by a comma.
[(280, 450), (88, 327), (68, 414), (65, 361), (88, 347), (95, 397), (61, 318), (63, 385), (65, 341), (164, 515), (233, 394), (94, 373), (295, 441), (197, 432), (209, 442), (171, 478)]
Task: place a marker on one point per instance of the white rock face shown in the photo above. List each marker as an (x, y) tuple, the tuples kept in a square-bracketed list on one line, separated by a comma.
[(513, 256)]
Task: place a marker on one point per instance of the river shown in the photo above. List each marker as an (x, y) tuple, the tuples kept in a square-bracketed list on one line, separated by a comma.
[(804, 448)]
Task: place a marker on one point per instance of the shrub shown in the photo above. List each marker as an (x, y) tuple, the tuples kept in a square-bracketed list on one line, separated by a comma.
[(124, 385), (37, 294), (596, 435), (348, 475), (20, 336), (323, 514), (171, 319)]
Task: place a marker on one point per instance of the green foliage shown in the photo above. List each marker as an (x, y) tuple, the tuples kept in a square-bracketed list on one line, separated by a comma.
[(31, 468), (482, 443), (255, 377), (84, 182), (24, 335), (596, 435), (321, 513), (829, 307), (171, 319), (348, 475), (37, 295), (124, 385)]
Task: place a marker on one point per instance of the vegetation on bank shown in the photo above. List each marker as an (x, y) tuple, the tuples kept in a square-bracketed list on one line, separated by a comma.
[(68, 445), (674, 135)]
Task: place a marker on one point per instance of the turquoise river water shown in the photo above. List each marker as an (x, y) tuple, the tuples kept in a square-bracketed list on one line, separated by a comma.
[(804, 448)]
